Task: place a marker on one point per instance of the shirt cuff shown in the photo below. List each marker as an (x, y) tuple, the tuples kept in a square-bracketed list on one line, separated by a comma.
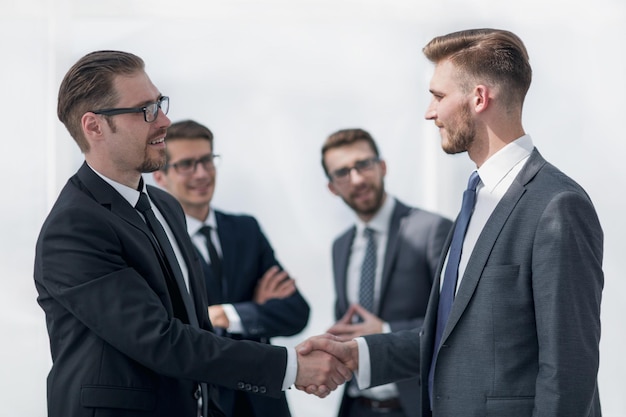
[(363, 374), (386, 327), (292, 368), (234, 321)]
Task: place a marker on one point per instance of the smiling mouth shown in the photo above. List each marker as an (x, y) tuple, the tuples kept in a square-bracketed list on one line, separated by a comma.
[(363, 193), (157, 141), (200, 187)]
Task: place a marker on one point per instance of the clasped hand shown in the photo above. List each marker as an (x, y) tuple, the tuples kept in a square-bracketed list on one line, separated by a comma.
[(324, 363)]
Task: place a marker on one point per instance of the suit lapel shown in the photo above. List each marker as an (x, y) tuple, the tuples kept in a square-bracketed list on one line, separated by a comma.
[(488, 237), (107, 196), (177, 230), (342, 255), (398, 217)]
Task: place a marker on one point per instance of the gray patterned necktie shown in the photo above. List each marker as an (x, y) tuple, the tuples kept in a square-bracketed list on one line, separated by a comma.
[(368, 272)]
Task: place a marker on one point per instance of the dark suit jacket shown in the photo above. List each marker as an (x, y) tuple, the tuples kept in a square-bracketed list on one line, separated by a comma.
[(246, 255), (523, 334), (120, 344), (414, 246)]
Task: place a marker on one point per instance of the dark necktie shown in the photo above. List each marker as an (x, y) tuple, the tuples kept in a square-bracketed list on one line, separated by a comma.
[(172, 266), (173, 269), (368, 272), (448, 289), (216, 261)]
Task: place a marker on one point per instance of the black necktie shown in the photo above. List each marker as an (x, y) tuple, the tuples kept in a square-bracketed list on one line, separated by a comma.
[(448, 289), (368, 272), (216, 261), (173, 269), (172, 266)]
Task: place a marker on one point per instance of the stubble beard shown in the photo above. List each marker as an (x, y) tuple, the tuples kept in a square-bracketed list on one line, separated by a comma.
[(461, 132), (372, 209), (150, 165)]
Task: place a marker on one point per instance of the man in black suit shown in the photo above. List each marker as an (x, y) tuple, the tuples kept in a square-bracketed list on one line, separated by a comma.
[(250, 296), (119, 279), (407, 245)]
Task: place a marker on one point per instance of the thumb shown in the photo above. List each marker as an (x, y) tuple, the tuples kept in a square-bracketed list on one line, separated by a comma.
[(313, 343)]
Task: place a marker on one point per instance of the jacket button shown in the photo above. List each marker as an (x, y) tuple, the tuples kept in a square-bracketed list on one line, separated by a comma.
[(240, 385), (248, 387), (262, 390), (255, 389)]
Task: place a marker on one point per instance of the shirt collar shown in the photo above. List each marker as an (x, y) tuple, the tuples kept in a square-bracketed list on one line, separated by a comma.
[(502, 162), (380, 221), (130, 194), (194, 225)]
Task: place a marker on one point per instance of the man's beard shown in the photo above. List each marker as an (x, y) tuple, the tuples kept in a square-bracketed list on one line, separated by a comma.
[(372, 209), (461, 132), (151, 165)]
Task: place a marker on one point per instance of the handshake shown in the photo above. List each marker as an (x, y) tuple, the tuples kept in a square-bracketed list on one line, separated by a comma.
[(327, 361), (324, 363)]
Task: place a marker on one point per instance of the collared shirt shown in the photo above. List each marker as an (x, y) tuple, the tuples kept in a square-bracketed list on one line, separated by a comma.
[(194, 225), (380, 224), (496, 176), (132, 196), (193, 228)]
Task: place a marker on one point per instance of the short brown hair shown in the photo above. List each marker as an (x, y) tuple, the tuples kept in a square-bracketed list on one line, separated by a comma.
[(188, 129), (497, 56), (346, 137), (88, 85)]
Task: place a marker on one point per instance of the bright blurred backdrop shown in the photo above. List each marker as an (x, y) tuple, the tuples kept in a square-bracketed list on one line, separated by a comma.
[(272, 78)]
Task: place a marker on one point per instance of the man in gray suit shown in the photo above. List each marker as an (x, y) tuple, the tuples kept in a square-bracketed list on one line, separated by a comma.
[(407, 245), (523, 331)]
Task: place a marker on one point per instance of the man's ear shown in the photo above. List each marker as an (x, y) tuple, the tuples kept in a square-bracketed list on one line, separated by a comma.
[(482, 98), (159, 177), (383, 167), (332, 188), (92, 126)]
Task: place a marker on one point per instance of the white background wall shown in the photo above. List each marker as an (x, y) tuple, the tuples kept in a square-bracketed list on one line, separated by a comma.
[(272, 78)]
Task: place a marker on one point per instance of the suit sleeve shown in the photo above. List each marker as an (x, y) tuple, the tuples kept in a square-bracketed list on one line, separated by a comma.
[(394, 356), (100, 283), (276, 317), (567, 285)]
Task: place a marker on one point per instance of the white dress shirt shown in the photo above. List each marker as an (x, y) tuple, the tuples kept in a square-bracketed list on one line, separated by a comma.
[(132, 196), (496, 176), (380, 224), (193, 228)]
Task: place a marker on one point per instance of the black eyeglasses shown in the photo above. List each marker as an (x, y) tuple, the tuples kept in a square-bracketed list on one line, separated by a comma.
[(189, 166), (150, 110), (342, 175)]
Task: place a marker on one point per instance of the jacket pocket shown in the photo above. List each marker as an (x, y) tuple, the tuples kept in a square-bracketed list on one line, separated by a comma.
[(99, 396), (510, 406)]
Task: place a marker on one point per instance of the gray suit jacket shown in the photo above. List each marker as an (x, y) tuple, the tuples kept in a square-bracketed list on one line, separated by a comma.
[(524, 331), (414, 246)]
